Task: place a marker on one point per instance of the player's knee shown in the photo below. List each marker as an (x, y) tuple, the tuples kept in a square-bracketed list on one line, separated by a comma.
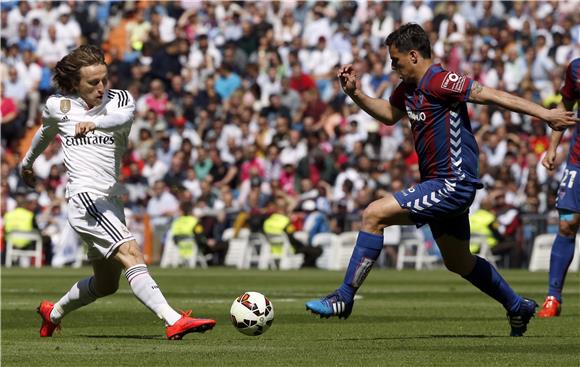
[(568, 228), (371, 217), (106, 289), (452, 266), (129, 254)]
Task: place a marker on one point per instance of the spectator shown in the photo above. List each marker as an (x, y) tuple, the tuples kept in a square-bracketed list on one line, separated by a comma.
[(416, 12), (227, 81), (157, 100), (23, 40), (162, 205), (12, 120), (50, 49), (68, 30), (31, 73)]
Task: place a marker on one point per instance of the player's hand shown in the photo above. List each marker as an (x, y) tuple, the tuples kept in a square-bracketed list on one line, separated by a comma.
[(549, 159), (83, 128), (560, 119), (349, 79), (28, 176)]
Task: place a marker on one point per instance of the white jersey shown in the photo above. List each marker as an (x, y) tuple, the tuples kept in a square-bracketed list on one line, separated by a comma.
[(92, 161)]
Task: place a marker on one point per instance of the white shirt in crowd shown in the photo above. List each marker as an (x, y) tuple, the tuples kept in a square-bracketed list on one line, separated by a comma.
[(159, 207), (68, 33), (30, 74), (49, 51)]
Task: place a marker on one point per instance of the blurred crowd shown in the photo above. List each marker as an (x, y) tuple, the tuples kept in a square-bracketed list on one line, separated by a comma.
[(239, 108)]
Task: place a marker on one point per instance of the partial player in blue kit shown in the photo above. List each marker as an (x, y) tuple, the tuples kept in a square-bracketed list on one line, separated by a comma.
[(434, 99), (568, 199)]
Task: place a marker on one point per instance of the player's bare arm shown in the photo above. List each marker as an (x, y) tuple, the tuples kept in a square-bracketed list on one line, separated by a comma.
[(378, 108), (556, 137), (40, 141), (550, 156), (556, 118)]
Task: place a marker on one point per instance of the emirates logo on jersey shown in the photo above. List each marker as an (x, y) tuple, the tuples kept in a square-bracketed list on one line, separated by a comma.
[(71, 141)]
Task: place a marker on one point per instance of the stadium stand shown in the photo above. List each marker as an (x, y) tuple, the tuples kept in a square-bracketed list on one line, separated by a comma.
[(238, 103)]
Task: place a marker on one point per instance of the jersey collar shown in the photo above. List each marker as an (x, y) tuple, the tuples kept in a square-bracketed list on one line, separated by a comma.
[(84, 104), (427, 75)]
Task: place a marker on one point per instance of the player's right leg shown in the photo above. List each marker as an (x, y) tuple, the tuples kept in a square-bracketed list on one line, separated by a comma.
[(104, 282), (560, 258), (369, 243)]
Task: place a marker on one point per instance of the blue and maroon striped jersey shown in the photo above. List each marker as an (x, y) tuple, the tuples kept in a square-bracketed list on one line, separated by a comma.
[(441, 128), (571, 91)]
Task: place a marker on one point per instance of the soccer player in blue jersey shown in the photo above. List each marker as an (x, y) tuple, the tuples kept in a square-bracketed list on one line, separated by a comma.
[(434, 99), (568, 199)]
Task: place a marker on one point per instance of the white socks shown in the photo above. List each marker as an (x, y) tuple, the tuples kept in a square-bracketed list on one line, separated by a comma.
[(143, 286), (81, 294), (147, 291)]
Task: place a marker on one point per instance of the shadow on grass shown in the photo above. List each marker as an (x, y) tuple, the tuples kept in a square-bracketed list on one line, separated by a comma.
[(156, 336), (435, 336)]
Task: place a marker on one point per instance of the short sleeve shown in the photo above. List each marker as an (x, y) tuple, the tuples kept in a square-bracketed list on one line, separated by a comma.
[(397, 99), (570, 90), (449, 86)]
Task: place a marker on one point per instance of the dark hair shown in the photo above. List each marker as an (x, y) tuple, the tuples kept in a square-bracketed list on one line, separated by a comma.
[(409, 37), (67, 73)]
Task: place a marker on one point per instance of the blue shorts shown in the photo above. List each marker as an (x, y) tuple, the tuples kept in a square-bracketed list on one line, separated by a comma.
[(441, 203), (568, 197)]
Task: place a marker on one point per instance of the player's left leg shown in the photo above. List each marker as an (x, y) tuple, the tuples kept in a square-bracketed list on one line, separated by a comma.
[(560, 259), (148, 292), (452, 237)]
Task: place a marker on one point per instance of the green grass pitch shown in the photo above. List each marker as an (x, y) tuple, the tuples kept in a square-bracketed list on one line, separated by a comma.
[(428, 318)]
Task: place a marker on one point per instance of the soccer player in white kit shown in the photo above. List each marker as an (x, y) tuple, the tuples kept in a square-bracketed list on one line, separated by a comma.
[(93, 124)]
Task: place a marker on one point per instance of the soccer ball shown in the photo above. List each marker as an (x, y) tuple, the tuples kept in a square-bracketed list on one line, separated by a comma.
[(252, 313)]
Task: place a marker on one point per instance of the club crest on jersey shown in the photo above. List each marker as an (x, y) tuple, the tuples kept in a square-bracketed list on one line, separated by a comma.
[(65, 105)]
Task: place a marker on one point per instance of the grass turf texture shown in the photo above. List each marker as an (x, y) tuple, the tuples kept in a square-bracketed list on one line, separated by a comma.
[(404, 318)]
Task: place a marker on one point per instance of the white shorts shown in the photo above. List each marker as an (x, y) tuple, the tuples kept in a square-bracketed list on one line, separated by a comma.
[(100, 221)]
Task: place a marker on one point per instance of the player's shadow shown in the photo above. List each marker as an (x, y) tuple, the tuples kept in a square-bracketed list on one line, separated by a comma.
[(435, 336), (156, 336)]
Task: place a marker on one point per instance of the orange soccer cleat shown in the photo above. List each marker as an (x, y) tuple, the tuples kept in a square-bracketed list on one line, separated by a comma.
[(186, 325), (550, 308), (48, 327)]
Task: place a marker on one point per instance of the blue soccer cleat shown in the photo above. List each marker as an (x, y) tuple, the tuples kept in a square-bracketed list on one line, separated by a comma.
[(519, 320), (331, 305)]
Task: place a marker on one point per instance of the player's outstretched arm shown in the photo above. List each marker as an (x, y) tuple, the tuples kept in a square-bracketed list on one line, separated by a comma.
[(556, 118), (41, 139), (378, 108)]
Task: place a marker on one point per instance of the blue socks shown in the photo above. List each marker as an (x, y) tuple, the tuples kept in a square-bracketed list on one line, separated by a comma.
[(487, 279), (367, 249), (560, 259)]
